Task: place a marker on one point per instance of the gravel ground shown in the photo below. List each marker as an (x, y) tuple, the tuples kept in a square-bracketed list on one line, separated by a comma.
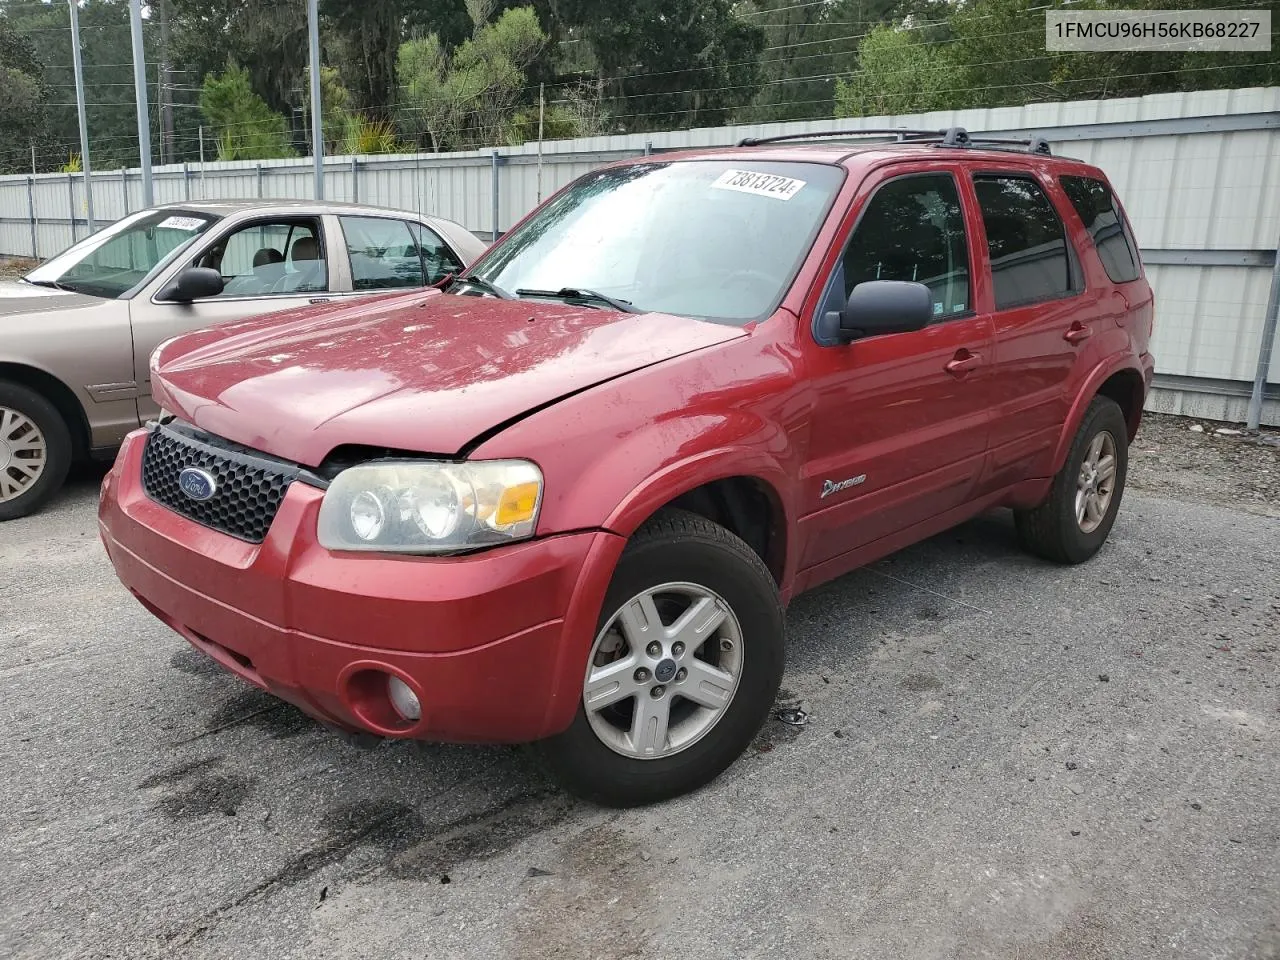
[(11, 268), (1003, 759)]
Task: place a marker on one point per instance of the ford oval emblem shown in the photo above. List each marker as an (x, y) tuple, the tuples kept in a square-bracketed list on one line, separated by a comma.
[(197, 484)]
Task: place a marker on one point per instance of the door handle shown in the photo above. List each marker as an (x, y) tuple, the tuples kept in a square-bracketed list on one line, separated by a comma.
[(963, 362), (1078, 332)]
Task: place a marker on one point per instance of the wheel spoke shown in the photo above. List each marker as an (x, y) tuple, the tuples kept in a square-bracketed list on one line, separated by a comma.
[(1093, 508), (696, 624), (1081, 496), (1106, 469), (1095, 448), (649, 725), (8, 423), (640, 622), (706, 685), (29, 468), (9, 487), (610, 684), (28, 441)]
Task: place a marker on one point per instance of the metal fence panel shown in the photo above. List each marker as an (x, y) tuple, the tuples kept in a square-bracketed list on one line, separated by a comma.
[(1199, 174)]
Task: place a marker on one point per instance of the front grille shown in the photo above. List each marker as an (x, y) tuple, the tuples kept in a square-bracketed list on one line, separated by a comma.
[(249, 486)]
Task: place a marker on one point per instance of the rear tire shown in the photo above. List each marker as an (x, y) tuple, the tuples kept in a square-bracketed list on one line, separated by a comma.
[(35, 450), (684, 565), (1073, 523)]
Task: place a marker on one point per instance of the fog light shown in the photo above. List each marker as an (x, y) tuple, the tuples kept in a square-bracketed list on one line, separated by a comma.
[(403, 699)]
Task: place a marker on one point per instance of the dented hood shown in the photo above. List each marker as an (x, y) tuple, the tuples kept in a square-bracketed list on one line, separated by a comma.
[(426, 372)]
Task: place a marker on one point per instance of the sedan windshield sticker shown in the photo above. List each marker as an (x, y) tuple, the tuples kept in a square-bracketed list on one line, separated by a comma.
[(761, 184), (181, 223)]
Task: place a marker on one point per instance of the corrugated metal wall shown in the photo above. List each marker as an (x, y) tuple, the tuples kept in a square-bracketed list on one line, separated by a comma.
[(1199, 174)]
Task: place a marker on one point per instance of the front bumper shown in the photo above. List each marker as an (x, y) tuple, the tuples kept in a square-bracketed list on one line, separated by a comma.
[(494, 644)]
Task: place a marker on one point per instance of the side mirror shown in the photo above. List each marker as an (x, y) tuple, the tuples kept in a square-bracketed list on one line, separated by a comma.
[(886, 306), (193, 283)]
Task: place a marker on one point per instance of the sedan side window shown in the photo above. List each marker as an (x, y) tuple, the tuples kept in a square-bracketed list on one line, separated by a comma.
[(912, 229), (384, 254), (269, 257), (438, 260)]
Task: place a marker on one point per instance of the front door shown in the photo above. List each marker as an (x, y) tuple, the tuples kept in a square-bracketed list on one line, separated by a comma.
[(268, 264), (900, 421)]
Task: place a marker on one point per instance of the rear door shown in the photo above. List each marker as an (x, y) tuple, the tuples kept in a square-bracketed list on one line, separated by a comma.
[(899, 424), (267, 264), (1043, 322)]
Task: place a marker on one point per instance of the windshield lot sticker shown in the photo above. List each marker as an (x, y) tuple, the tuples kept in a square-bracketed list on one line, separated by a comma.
[(761, 184), (181, 223)]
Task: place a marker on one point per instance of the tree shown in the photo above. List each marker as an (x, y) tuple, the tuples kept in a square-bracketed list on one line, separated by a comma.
[(898, 72), (335, 106), (23, 99), (670, 63), (245, 127), (467, 97)]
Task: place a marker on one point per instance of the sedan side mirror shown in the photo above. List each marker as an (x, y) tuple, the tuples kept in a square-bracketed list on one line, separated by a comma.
[(886, 306), (193, 283)]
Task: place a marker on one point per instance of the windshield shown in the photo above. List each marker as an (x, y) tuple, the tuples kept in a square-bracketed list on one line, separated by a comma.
[(115, 260), (719, 240)]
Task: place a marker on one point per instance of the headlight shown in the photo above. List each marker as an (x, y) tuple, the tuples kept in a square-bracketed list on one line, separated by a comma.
[(423, 506)]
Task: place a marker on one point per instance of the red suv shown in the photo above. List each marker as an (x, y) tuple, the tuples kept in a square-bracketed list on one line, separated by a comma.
[(566, 499)]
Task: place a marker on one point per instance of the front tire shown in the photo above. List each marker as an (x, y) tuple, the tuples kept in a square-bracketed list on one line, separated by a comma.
[(35, 450), (1073, 524), (686, 662)]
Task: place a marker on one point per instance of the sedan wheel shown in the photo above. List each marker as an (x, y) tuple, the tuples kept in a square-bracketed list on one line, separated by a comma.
[(35, 450), (23, 454)]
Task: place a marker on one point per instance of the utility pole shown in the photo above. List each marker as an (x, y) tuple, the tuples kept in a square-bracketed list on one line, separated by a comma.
[(317, 128), (166, 86), (140, 97), (542, 114), (84, 125), (33, 159)]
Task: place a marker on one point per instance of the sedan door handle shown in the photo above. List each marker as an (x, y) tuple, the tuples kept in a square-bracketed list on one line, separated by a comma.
[(963, 362), (1078, 332)]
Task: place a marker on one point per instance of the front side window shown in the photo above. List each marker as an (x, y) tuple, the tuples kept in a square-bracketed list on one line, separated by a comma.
[(438, 260), (116, 260), (1098, 209), (1025, 241), (713, 239), (269, 257), (912, 229), (384, 253)]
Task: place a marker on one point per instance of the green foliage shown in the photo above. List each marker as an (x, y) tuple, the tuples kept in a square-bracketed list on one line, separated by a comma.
[(670, 63), (245, 127), (74, 164), (362, 137), (467, 97), (898, 72), (335, 106)]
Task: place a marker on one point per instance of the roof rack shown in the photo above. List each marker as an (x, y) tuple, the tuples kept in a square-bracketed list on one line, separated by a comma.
[(951, 137)]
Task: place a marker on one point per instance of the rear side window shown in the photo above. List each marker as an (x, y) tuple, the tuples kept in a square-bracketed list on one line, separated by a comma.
[(913, 229), (1100, 212), (1025, 240), (384, 254)]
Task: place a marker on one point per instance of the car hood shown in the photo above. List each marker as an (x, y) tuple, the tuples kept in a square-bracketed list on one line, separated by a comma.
[(427, 373), (17, 297)]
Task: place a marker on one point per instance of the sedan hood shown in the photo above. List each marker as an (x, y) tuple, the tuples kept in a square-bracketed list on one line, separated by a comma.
[(427, 373), (17, 297)]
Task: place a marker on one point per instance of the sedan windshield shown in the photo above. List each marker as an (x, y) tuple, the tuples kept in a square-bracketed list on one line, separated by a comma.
[(116, 260), (720, 240)]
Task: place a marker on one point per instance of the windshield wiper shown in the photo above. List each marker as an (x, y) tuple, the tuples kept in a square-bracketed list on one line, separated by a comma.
[(484, 285), (581, 293), (52, 284)]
